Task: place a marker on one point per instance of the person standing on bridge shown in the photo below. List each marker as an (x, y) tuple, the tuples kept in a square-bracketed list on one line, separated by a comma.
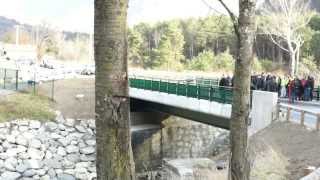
[(291, 94), (283, 84)]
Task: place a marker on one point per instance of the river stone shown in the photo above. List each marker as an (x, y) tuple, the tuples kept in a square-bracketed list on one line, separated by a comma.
[(66, 177), (72, 149), (83, 165), (55, 136), (29, 173), (81, 129), (68, 164), (51, 126), (69, 122), (33, 164), (21, 168), (73, 157), (1, 164), (23, 128), (35, 124), (92, 169), (87, 157), (51, 173), (10, 164), (61, 151), (7, 175), (41, 172), (21, 140), (53, 163), (69, 171), (35, 153), (64, 141), (28, 135), (11, 138), (45, 177), (91, 142), (35, 143), (88, 150)]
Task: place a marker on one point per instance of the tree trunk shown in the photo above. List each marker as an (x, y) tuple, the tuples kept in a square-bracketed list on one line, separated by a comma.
[(296, 70), (292, 66), (240, 166), (114, 153)]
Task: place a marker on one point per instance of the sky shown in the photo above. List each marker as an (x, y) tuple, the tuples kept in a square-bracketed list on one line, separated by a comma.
[(77, 15)]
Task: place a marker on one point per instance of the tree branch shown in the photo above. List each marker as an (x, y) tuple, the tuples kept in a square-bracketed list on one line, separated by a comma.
[(232, 16)]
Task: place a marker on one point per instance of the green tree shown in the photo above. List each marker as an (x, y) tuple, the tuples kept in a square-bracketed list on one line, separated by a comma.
[(114, 153), (315, 22), (169, 54), (135, 43), (203, 62), (315, 50)]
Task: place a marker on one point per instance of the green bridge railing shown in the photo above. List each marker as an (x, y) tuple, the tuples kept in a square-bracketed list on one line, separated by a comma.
[(205, 89)]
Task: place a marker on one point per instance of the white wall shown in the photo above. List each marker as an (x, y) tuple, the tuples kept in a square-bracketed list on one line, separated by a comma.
[(264, 106)]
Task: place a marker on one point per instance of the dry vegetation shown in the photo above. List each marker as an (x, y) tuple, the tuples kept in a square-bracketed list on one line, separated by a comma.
[(27, 106)]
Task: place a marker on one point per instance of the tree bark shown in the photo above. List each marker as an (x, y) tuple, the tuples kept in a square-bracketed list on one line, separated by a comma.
[(296, 70), (240, 164), (292, 66), (114, 152)]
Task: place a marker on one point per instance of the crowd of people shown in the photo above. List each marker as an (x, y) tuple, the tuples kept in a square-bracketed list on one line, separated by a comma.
[(286, 86)]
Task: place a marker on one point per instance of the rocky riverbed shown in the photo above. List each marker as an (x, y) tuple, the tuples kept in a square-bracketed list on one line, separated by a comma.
[(63, 149)]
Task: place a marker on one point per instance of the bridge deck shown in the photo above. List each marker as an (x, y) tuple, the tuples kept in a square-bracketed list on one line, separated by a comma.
[(205, 90)]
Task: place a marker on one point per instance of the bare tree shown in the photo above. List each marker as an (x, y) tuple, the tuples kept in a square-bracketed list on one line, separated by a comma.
[(283, 21), (114, 152), (244, 27), (44, 37)]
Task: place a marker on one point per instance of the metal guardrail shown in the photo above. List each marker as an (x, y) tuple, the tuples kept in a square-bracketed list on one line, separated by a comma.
[(303, 112), (9, 79), (185, 88), (316, 93)]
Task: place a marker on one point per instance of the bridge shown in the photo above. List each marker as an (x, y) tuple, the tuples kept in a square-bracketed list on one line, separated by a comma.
[(154, 99), (200, 100)]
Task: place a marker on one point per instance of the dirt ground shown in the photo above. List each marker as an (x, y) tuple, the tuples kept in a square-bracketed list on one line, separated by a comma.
[(283, 150), (66, 100)]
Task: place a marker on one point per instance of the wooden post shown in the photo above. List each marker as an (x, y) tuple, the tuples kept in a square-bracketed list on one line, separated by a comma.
[(318, 122), (302, 117), (277, 112), (17, 78), (4, 78), (288, 113)]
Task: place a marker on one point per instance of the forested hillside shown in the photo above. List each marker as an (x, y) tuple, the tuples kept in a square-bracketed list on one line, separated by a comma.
[(7, 31), (208, 44)]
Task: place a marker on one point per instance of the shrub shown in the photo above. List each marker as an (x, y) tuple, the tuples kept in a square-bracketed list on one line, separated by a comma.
[(208, 61), (224, 61), (203, 62)]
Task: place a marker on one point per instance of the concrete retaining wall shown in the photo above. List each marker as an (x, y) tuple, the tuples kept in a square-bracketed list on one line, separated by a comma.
[(264, 107)]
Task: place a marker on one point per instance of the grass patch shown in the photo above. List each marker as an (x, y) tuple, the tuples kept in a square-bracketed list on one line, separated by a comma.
[(27, 106)]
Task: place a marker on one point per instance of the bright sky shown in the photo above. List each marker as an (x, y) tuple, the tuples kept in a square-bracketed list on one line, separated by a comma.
[(77, 15)]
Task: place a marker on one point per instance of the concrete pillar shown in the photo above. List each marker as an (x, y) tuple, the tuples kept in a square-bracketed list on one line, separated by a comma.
[(264, 110)]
